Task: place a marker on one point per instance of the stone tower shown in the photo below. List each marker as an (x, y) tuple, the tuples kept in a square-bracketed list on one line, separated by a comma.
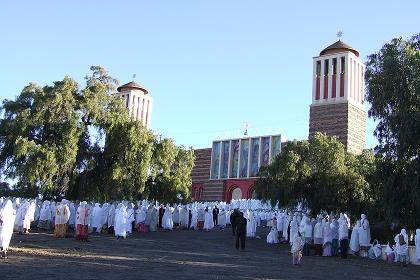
[(138, 102), (337, 106)]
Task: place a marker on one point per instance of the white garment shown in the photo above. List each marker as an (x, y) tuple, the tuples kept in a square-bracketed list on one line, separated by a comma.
[(167, 222), (251, 225), (121, 221), (364, 232), (221, 218), (208, 220), (399, 248), (273, 236), (354, 240), (417, 243), (97, 216), (293, 228), (7, 218)]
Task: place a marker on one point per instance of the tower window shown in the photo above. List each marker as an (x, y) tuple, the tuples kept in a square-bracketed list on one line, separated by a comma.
[(326, 67), (343, 65), (318, 68), (334, 64)]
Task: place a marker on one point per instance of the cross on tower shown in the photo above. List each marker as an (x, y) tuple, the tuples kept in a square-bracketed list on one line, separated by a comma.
[(340, 34)]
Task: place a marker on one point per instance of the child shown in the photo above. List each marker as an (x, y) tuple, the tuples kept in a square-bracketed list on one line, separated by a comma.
[(296, 249)]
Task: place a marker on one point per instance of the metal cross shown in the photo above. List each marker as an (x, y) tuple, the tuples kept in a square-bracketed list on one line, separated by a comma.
[(134, 76), (340, 34)]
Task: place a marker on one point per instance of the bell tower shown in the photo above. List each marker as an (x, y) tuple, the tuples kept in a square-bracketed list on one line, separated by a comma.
[(337, 106), (137, 101)]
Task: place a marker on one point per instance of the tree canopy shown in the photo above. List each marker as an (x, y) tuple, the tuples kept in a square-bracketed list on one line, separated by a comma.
[(80, 142)]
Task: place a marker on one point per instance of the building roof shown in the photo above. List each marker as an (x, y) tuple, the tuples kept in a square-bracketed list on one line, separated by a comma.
[(339, 46), (132, 86)]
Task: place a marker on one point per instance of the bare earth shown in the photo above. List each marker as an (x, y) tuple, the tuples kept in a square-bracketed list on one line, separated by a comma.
[(178, 255)]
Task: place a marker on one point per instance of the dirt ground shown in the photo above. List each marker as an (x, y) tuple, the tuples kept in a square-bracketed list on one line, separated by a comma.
[(178, 255)]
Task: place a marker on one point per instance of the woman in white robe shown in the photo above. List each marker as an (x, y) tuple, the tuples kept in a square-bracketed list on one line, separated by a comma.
[(294, 227), (273, 235), (7, 221), (417, 243), (364, 235), (354, 239), (401, 247), (251, 225), (194, 219), (167, 222), (97, 218), (45, 216), (208, 220), (221, 218), (121, 222)]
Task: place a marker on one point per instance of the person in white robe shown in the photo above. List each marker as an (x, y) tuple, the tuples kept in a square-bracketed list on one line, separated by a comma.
[(154, 218), (307, 237), (221, 218), (417, 244), (194, 219), (45, 216), (273, 235), (175, 216), (121, 216), (293, 227), (327, 238), (97, 218), (251, 225), (318, 237), (111, 218), (343, 233), (354, 239), (141, 219), (167, 221), (401, 247), (61, 218), (184, 217), (364, 235), (7, 221), (208, 219), (130, 218), (72, 218)]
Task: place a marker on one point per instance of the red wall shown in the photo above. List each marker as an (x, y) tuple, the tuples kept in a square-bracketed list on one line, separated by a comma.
[(246, 186)]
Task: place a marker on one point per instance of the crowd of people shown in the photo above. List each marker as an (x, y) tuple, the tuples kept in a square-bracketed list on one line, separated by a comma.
[(326, 235)]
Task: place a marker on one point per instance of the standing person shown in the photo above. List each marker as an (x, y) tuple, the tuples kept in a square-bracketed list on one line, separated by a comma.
[(401, 247), (364, 235), (221, 218), (307, 234), (121, 220), (334, 232), (61, 218), (294, 227), (327, 236), (240, 223), (154, 218), (7, 221), (141, 218), (208, 220), (343, 235), (296, 249), (251, 225), (82, 222), (232, 219), (97, 217), (45, 216), (161, 212), (215, 215), (417, 243), (354, 238), (167, 221), (318, 237)]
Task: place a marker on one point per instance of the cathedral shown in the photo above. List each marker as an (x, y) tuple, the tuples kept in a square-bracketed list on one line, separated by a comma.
[(229, 168)]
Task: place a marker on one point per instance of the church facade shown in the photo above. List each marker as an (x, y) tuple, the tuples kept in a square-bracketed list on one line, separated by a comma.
[(229, 168)]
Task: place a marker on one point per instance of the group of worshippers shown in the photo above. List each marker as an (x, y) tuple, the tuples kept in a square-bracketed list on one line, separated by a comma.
[(325, 235), (328, 235)]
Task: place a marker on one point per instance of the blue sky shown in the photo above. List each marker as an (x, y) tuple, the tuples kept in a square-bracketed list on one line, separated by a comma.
[(211, 66)]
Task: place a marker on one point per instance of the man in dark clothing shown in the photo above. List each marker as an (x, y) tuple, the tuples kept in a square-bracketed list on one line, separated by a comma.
[(232, 218), (215, 214), (240, 231), (189, 219), (161, 212)]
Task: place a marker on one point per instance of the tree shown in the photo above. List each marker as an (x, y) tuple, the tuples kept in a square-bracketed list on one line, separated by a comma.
[(318, 173), (170, 172), (393, 90), (61, 140)]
